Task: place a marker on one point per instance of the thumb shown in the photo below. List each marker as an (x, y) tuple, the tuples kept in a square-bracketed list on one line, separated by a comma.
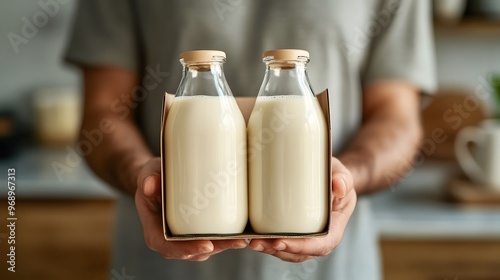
[(151, 185), (342, 181), (148, 181)]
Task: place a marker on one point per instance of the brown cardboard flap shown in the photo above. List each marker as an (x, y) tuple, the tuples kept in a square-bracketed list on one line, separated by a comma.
[(246, 105)]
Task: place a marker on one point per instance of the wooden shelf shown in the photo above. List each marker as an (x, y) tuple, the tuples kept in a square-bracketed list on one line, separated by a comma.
[(468, 27), (451, 259)]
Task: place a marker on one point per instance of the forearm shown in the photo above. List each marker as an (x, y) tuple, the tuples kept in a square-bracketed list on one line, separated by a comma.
[(118, 156), (384, 148)]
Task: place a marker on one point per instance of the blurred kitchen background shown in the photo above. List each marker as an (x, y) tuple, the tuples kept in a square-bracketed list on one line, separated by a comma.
[(435, 224)]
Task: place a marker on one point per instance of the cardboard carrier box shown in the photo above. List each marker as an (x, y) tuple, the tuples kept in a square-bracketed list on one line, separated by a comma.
[(246, 105)]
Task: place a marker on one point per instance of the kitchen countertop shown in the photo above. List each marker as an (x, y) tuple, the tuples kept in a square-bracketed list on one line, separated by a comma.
[(416, 208), (413, 209), (36, 177)]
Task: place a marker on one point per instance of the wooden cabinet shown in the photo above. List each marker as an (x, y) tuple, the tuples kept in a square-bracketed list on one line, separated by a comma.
[(71, 239), (441, 259), (476, 27), (60, 240)]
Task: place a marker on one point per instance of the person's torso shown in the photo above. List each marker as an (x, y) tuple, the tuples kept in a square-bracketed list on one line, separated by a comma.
[(332, 31)]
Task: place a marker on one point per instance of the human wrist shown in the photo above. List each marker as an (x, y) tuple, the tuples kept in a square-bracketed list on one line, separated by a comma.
[(359, 168), (127, 170)]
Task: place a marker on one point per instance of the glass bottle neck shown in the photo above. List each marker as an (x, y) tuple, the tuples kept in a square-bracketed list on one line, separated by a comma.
[(286, 78), (203, 79)]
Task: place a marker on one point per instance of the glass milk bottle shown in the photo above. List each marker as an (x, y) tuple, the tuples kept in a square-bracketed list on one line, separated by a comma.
[(287, 150), (206, 165)]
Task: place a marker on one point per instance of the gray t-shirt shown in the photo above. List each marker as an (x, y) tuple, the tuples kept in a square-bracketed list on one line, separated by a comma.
[(352, 43)]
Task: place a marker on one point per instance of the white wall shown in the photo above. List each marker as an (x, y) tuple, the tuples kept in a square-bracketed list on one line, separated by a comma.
[(38, 63), (462, 60)]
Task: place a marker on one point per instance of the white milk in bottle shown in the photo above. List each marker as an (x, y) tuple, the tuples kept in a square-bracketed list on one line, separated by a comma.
[(205, 157), (287, 150)]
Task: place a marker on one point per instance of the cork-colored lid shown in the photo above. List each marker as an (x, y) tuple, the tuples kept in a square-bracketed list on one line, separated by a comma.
[(200, 56), (286, 54)]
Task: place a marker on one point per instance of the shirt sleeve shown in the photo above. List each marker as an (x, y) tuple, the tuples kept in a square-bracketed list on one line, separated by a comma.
[(103, 34), (404, 48)]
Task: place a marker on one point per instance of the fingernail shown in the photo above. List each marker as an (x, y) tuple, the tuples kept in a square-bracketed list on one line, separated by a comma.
[(148, 186), (239, 245), (259, 247), (204, 258), (344, 186), (341, 187), (205, 250), (281, 246)]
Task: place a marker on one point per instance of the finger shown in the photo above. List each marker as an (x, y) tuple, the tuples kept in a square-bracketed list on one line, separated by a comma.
[(266, 246), (339, 186), (152, 167), (342, 181), (149, 195), (262, 245), (149, 210), (346, 204), (198, 258), (317, 246), (152, 186), (153, 235), (220, 246), (185, 250)]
